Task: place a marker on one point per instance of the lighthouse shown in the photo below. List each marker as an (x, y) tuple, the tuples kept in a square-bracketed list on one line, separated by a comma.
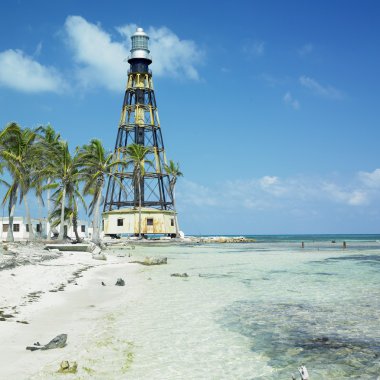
[(145, 205)]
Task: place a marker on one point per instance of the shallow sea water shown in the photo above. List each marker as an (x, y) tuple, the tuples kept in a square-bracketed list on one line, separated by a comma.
[(257, 311)]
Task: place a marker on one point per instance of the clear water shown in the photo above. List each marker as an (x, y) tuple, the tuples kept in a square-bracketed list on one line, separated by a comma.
[(258, 311)]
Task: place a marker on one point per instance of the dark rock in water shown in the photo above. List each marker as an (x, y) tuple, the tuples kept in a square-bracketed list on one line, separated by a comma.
[(322, 339), (58, 342), (120, 282), (179, 275), (152, 261)]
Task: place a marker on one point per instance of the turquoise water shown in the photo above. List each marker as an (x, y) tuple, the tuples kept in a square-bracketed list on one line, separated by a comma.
[(322, 238), (259, 311), (312, 238)]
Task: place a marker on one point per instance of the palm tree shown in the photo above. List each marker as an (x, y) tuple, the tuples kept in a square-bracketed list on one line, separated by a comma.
[(20, 158), (173, 170), (11, 198), (136, 157), (73, 197), (64, 170), (37, 185), (96, 164), (10, 195), (48, 141)]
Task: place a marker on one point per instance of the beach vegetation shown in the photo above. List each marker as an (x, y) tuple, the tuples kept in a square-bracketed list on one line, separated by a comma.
[(89, 370), (129, 357)]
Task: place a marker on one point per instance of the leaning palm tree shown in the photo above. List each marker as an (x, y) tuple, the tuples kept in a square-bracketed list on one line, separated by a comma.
[(19, 156), (137, 158), (173, 171), (96, 164)]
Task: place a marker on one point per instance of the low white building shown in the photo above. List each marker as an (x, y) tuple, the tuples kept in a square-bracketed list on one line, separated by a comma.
[(126, 221), (40, 228)]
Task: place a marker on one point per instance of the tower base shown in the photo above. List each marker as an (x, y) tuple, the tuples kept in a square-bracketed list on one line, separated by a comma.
[(126, 221)]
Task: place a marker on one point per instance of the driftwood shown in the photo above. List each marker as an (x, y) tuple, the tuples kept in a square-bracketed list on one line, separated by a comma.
[(58, 342)]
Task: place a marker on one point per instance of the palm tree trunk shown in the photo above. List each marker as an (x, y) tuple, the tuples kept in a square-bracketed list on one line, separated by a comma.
[(11, 211), (175, 216), (39, 233), (75, 225), (28, 219), (48, 211), (172, 189), (62, 223), (139, 179), (95, 221)]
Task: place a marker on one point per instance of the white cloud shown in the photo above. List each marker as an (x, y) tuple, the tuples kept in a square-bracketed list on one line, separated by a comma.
[(272, 185), (38, 50), (372, 180), (102, 60), (273, 81), (325, 91), (267, 181), (351, 197), (358, 198), (23, 73), (271, 192), (196, 194), (173, 56), (289, 100), (255, 48), (305, 49)]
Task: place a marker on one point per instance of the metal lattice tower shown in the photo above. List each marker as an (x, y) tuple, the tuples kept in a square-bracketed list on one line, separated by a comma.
[(139, 124)]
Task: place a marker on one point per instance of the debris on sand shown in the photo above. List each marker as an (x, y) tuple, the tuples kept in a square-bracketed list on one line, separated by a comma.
[(58, 342)]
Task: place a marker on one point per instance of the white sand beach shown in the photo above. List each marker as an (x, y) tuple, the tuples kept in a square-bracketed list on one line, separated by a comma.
[(63, 295)]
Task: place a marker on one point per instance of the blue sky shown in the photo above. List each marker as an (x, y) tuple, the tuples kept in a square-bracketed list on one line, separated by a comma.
[(271, 107)]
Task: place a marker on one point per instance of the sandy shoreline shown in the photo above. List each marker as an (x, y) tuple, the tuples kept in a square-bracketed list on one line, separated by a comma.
[(63, 295)]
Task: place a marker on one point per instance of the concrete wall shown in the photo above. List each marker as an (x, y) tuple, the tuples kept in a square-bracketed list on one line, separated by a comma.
[(126, 221), (23, 234)]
